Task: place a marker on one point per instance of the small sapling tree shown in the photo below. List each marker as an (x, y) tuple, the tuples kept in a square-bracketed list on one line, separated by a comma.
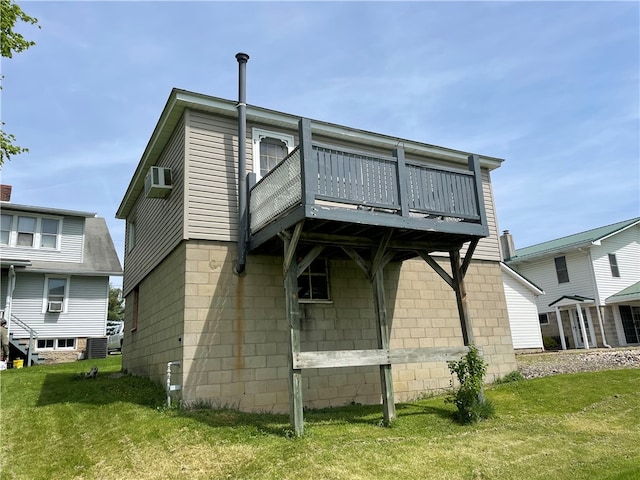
[(467, 392)]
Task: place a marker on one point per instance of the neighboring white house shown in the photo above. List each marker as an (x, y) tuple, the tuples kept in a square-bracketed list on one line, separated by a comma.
[(521, 295), (54, 284), (585, 277)]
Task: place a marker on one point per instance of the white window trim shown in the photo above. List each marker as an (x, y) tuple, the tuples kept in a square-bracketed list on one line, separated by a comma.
[(55, 345), (258, 134), (45, 294), (37, 235)]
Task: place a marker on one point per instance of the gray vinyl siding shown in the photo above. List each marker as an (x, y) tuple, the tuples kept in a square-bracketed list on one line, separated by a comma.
[(159, 222), (626, 246), (489, 248), (71, 242), (212, 179), (85, 316)]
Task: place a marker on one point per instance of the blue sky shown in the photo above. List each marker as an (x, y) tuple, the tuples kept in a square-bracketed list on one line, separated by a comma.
[(551, 87)]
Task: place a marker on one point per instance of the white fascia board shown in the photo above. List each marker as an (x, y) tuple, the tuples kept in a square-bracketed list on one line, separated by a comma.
[(623, 299), (599, 240)]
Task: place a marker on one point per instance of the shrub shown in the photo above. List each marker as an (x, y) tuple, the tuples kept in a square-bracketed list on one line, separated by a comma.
[(511, 377), (468, 396), (550, 343)]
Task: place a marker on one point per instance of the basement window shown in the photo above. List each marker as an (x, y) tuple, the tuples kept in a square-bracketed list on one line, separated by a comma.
[(313, 283), (56, 344)]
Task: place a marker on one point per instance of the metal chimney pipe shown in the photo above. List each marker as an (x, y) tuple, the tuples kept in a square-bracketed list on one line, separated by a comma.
[(242, 161)]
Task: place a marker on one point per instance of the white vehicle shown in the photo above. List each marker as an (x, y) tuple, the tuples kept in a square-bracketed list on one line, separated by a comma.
[(115, 333)]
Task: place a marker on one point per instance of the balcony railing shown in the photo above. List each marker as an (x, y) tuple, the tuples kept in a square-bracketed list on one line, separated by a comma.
[(332, 182)]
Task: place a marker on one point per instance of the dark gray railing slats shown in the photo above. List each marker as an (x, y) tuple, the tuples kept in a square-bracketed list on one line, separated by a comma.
[(388, 184)]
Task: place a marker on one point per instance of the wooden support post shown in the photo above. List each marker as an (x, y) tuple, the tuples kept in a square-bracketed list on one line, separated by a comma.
[(461, 297), (386, 377), (293, 317)]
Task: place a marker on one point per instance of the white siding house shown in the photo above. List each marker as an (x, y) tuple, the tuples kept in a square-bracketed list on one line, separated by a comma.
[(521, 296), (582, 275), (55, 274)]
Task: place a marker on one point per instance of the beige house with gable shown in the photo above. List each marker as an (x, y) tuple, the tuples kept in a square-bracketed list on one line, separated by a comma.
[(364, 266)]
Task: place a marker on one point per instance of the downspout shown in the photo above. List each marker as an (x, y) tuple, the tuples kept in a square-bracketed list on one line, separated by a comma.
[(9, 300), (242, 161), (597, 299)]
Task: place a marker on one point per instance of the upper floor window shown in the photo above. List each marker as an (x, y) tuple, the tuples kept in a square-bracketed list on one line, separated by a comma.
[(561, 269), (131, 236), (313, 283), (5, 228), (269, 149), (26, 232), (55, 294), (30, 232), (613, 263)]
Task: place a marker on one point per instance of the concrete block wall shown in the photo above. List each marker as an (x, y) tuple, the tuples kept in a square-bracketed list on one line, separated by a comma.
[(158, 338), (235, 330)]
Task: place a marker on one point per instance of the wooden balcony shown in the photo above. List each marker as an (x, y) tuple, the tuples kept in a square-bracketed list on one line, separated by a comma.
[(350, 197)]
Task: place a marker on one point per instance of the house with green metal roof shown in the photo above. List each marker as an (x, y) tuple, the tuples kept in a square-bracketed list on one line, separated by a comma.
[(592, 282)]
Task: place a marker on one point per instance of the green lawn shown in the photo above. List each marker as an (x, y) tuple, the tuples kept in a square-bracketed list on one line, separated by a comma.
[(57, 426)]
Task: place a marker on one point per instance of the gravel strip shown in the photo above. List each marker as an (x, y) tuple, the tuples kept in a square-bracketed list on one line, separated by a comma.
[(572, 361)]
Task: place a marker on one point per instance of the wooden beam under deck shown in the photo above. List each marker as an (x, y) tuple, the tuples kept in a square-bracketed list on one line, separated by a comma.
[(362, 358)]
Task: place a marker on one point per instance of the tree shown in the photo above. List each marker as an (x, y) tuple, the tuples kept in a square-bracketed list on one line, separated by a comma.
[(116, 307), (12, 42)]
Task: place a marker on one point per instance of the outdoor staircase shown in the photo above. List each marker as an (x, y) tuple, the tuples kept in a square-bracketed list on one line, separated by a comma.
[(21, 345)]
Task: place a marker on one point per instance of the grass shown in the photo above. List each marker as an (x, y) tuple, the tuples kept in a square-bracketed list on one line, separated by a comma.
[(55, 425)]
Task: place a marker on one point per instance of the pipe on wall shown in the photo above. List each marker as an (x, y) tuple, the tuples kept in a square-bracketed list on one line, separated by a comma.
[(242, 161)]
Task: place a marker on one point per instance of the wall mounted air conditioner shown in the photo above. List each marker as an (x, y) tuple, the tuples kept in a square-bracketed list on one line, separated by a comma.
[(157, 183), (55, 307)]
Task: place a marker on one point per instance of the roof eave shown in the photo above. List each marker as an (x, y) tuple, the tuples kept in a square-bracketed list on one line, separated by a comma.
[(548, 253)]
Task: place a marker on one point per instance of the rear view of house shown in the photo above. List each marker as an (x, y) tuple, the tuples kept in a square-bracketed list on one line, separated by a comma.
[(592, 285), (54, 287), (277, 262)]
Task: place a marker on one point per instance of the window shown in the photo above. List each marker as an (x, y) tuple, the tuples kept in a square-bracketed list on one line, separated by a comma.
[(313, 283), (56, 344), (5, 229), (543, 318), (55, 291), (269, 148), (30, 232), (561, 270), (66, 344), (45, 343), (49, 229), (131, 236), (272, 151), (613, 263), (26, 231)]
